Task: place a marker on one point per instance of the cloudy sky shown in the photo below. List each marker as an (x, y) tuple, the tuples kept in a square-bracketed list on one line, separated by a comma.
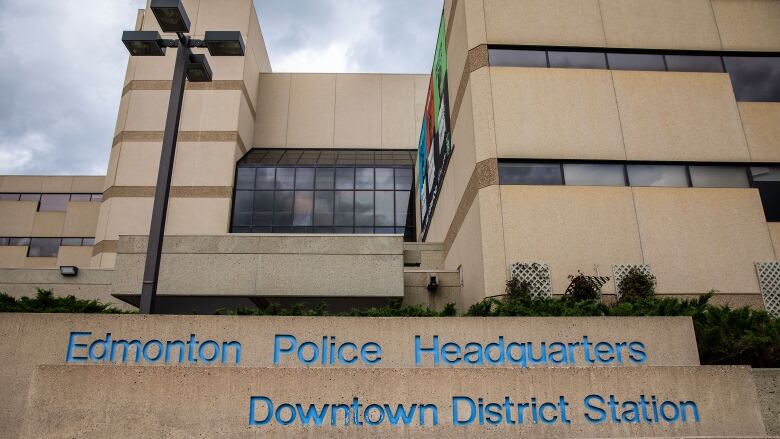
[(64, 64)]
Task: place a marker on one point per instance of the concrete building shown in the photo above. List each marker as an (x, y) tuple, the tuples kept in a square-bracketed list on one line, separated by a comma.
[(553, 137)]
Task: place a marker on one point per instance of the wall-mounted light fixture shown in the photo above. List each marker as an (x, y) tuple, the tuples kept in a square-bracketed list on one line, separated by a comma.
[(433, 282), (69, 270)]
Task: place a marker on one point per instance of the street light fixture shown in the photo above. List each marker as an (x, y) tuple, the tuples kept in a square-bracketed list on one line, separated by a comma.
[(198, 69), (172, 18), (144, 43), (224, 43)]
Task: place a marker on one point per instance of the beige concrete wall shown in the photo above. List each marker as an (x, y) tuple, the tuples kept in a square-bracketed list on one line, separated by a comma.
[(701, 239), (36, 339), (774, 231), (51, 184), (17, 217), (147, 393), (761, 122), (13, 257), (304, 110), (216, 129), (21, 219), (268, 265), (694, 240), (679, 116), (77, 256), (556, 113), (768, 386), (570, 228), (468, 255), (81, 219), (89, 284), (416, 290), (748, 24), (618, 115), (543, 22), (656, 24)]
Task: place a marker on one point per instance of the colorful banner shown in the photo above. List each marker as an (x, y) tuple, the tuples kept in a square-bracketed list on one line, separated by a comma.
[(435, 147)]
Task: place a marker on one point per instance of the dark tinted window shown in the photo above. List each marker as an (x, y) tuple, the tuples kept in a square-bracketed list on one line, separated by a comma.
[(242, 208), (635, 61), (54, 202), (767, 180), (283, 208), (401, 207), (364, 208), (529, 173), (43, 247), (755, 79), (265, 178), (304, 178), (3, 241), (384, 208), (311, 195), (71, 242), (403, 178), (30, 197), (245, 178), (719, 176), (517, 58), (765, 173), (263, 209), (594, 174), (9, 197), (345, 178), (304, 208), (345, 208), (285, 178), (80, 197), (694, 63), (384, 178), (19, 241), (364, 178), (326, 178), (579, 60), (657, 175), (88, 241), (96, 198), (323, 208)]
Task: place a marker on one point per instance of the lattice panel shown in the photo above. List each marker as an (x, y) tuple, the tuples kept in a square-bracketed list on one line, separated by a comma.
[(536, 274), (621, 270), (769, 281)]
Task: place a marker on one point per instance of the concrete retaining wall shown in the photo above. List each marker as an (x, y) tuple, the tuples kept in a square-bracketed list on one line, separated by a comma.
[(267, 265), (29, 340), (768, 385), (125, 402)]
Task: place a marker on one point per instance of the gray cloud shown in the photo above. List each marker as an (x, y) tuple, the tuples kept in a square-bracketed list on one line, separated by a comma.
[(389, 36), (64, 65)]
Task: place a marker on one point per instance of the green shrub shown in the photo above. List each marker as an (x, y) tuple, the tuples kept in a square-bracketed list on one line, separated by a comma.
[(516, 288), (636, 285), (583, 287), (45, 301), (724, 336), (394, 309)]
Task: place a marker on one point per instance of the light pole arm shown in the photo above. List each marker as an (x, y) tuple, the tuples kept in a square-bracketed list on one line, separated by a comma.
[(157, 229)]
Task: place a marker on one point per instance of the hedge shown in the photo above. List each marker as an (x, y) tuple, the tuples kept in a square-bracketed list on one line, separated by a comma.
[(725, 336)]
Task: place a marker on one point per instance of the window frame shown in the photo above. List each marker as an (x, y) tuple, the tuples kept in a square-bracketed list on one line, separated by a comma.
[(351, 159)]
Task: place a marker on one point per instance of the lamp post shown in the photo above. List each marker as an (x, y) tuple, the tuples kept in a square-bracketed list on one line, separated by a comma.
[(172, 18)]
